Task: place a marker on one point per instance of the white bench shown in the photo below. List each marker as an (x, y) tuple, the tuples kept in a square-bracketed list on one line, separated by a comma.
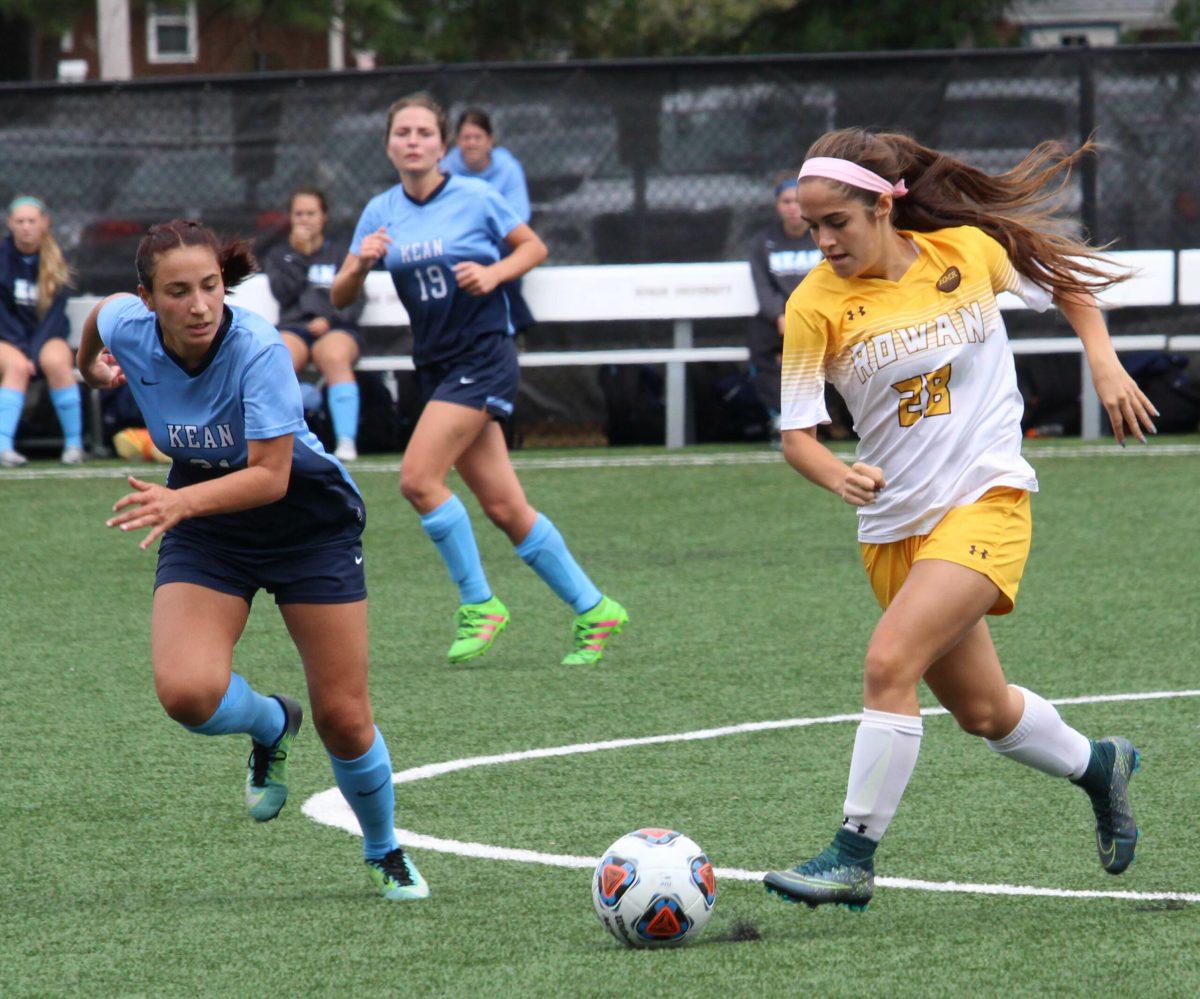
[(683, 293)]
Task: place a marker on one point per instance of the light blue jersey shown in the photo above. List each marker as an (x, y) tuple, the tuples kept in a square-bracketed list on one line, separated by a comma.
[(464, 219), (504, 173), (203, 418)]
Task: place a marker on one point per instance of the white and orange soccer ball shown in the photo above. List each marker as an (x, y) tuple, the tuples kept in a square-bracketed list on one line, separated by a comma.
[(654, 888)]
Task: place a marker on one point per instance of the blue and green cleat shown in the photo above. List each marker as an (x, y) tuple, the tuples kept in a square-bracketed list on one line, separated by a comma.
[(1114, 762), (478, 626), (396, 877), (829, 877), (266, 769)]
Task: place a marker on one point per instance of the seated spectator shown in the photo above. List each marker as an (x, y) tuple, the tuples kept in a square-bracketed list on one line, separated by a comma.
[(780, 256), (300, 272), (34, 287)]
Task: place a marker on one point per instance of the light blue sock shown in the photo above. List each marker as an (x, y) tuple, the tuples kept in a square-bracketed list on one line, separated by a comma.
[(11, 404), (243, 709), (70, 414), (366, 784), (343, 409), (450, 529), (547, 554)]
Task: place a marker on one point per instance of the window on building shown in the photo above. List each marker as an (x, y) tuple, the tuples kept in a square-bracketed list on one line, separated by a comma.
[(171, 33)]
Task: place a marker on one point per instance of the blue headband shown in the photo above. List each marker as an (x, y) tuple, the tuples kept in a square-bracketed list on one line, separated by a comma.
[(785, 185), (27, 199)]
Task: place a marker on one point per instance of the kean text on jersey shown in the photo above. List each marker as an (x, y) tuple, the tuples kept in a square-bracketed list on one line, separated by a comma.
[(424, 250), (183, 435)]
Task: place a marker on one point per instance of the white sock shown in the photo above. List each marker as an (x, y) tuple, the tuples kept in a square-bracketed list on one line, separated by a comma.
[(1044, 741), (885, 753)]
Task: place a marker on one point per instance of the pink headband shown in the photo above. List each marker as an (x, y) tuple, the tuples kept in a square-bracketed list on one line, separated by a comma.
[(851, 173)]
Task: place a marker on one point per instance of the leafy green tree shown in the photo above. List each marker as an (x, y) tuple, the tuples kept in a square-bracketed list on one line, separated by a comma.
[(1186, 14)]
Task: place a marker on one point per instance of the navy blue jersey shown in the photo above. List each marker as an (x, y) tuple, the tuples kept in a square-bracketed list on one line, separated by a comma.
[(464, 219), (244, 389), (20, 323), (504, 173), (300, 283)]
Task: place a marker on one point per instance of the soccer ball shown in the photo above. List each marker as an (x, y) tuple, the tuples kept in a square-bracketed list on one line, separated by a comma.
[(654, 888)]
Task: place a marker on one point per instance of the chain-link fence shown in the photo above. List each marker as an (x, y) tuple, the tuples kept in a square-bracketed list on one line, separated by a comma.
[(626, 162)]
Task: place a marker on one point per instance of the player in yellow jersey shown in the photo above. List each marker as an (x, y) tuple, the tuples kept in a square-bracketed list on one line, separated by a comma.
[(901, 317)]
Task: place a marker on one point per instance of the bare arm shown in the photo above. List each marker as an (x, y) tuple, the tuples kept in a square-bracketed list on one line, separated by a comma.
[(348, 283), (1129, 411), (527, 252), (858, 484), (264, 480), (96, 365)]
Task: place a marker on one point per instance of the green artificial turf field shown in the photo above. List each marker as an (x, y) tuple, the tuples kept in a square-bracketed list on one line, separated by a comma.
[(130, 867)]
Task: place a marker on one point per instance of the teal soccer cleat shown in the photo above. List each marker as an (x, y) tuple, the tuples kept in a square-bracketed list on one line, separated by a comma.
[(396, 877), (1106, 781), (266, 769), (829, 877)]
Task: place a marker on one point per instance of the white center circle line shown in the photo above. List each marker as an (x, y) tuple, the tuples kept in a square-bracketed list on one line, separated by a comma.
[(330, 808)]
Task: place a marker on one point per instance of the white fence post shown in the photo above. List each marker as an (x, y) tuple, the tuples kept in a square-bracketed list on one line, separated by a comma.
[(676, 402)]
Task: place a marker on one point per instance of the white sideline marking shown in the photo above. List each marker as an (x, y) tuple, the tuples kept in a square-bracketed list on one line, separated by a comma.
[(670, 459), (330, 808)]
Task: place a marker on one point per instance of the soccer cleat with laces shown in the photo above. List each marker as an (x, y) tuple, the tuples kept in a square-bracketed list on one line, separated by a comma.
[(478, 626), (1106, 781), (593, 630), (828, 877), (396, 877), (266, 770), (12, 459)]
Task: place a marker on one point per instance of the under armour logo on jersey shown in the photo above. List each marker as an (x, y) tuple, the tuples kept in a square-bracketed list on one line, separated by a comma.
[(850, 316), (982, 552)]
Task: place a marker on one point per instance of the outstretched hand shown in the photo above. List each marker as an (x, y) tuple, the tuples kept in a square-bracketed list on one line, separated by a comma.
[(1128, 409), (150, 505)]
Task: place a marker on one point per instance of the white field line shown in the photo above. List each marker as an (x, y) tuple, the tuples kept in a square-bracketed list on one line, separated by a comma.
[(330, 808), (605, 459)]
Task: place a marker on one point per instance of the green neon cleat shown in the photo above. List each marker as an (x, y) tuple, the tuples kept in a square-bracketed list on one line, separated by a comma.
[(831, 876), (593, 630), (396, 877), (266, 770), (1106, 781), (478, 626)]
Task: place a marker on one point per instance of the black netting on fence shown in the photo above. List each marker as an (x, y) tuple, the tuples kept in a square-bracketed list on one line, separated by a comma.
[(643, 161), (635, 162)]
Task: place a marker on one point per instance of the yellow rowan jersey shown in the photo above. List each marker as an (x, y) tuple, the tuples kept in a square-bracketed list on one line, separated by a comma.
[(925, 367)]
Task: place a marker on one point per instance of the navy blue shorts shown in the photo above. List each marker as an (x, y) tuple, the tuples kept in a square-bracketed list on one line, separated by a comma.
[(300, 331), (486, 377), (331, 574)]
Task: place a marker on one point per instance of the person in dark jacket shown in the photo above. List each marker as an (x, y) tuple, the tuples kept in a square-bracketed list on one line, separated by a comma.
[(780, 256), (34, 287), (300, 272)]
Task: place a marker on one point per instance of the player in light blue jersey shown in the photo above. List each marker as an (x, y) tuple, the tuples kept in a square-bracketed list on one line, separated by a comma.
[(444, 241), (475, 154), (252, 502)]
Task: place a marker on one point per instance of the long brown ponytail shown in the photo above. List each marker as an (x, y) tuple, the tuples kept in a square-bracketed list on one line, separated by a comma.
[(1017, 208), (53, 273)]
